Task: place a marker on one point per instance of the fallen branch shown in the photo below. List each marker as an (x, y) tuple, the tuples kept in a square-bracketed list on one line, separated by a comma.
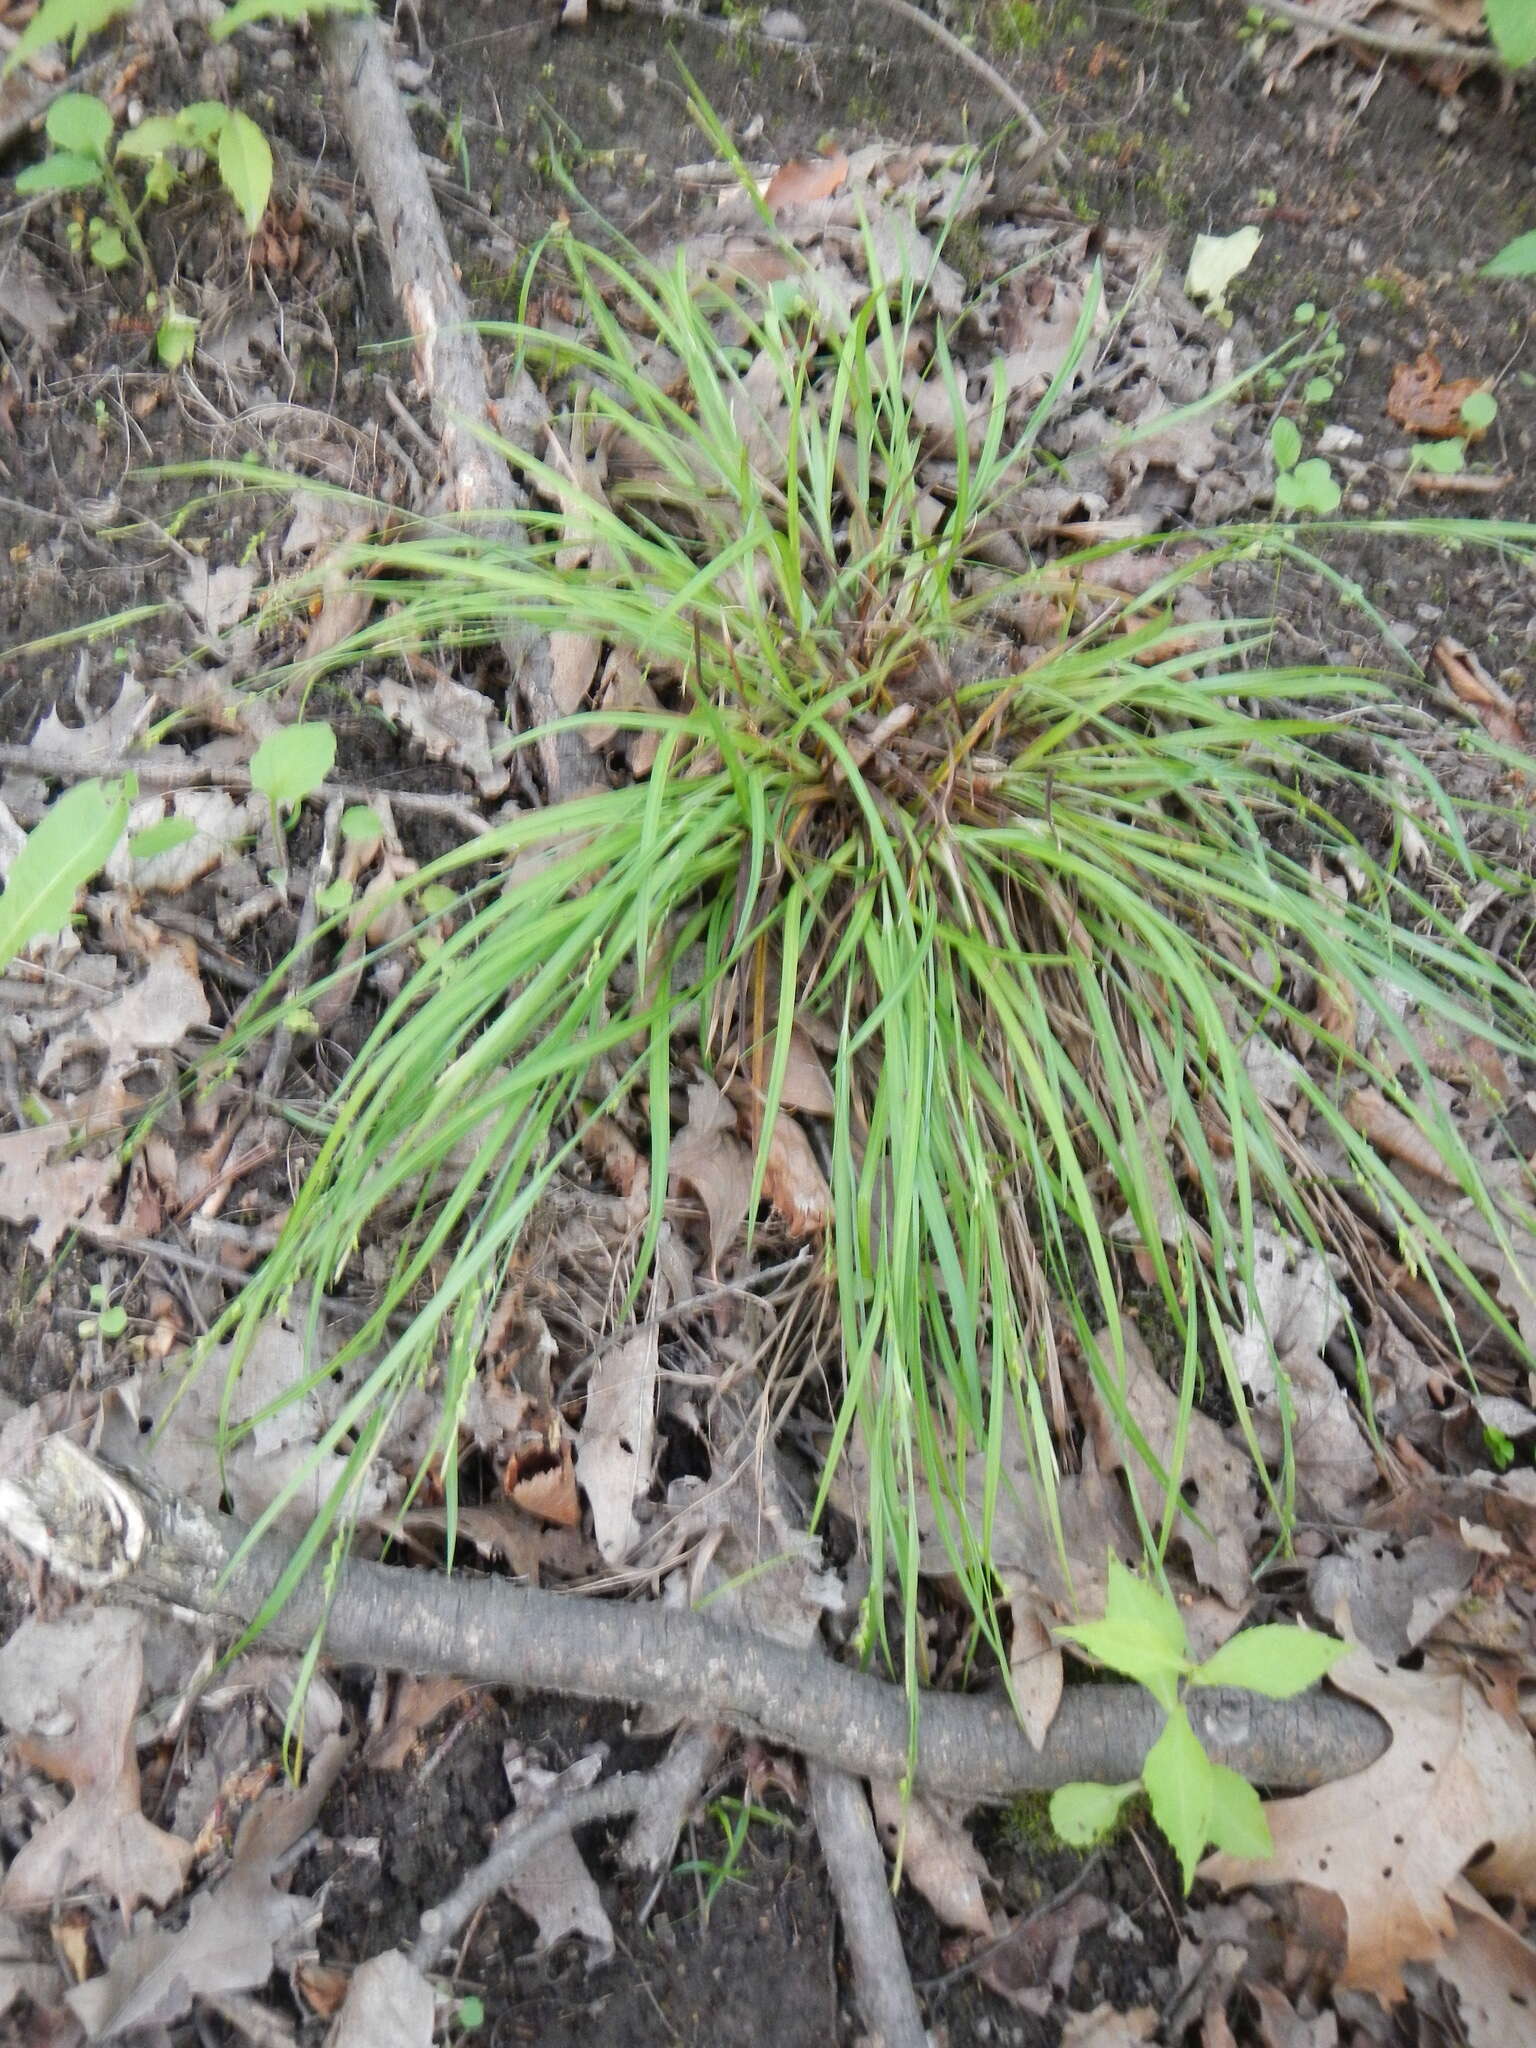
[(448, 360), (1384, 41), (856, 1867), (99, 1527)]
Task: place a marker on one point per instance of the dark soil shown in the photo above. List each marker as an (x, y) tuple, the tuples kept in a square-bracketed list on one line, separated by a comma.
[(1377, 213)]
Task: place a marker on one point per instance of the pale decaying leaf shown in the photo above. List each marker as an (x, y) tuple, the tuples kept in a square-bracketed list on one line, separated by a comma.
[(793, 1183), (1036, 1669), (218, 597), (1216, 1479), (389, 2005), (1295, 1307), (69, 1692), (615, 1449), (1390, 1131), (936, 1855), (101, 740), (707, 1156), (450, 723), (1389, 1594), (1494, 1973), (1456, 1788), (555, 1888), (1104, 2027), (261, 1463), (235, 1928), (42, 1184)]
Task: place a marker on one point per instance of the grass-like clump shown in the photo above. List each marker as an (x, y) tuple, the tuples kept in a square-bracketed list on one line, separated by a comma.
[(1046, 901)]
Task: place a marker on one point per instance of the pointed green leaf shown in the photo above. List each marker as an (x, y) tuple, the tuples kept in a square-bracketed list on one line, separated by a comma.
[(1512, 25), (245, 165), (161, 837), (1179, 1778), (1515, 259), (246, 11), (1285, 442), (293, 761), (1236, 1820), (153, 137), (59, 20), (1136, 1650), (1084, 1814), (60, 173), (201, 123), (1129, 1598), (80, 124), (1275, 1660), (69, 844)]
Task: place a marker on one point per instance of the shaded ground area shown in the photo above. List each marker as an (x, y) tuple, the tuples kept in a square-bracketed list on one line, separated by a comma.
[(1379, 197)]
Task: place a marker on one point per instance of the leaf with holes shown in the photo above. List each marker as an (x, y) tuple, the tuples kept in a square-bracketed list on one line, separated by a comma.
[(1395, 1840)]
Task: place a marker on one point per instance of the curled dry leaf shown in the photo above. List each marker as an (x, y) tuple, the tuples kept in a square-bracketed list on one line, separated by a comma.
[(613, 1457), (390, 2005), (450, 723), (69, 1692), (707, 1156), (936, 1856), (1390, 1131), (1474, 686), (233, 1931), (804, 180), (1422, 401), (1393, 1842)]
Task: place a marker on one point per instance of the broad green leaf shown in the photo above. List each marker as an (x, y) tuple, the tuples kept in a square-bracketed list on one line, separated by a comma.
[(80, 124), (1309, 487), (201, 123), (1180, 1782), (1084, 1814), (1285, 441), (161, 837), (1479, 410), (1136, 1649), (1276, 1660), (1441, 458), (175, 339), (1318, 390), (58, 21), (108, 249), (68, 845), (1236, 1820), (245, 165), (293, 761), (1216, 261), (1512, 25), (60, 173), (113, 1321), (1130, 1598), (246, 11), (361, 821), (1515, 259), (153, 137), (334, 897)]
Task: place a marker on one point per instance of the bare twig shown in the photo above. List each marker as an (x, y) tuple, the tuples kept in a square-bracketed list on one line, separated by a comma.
[(856, 1867), (187, 774), (64, 1506), (673, 1789), (448, 359), (440, 1924), (1384, 40), (1034, 127)]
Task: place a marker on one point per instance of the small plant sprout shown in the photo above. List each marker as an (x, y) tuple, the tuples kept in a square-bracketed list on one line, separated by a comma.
[(1194, 1801), (70, 843), (1300, 486), (289, 765)]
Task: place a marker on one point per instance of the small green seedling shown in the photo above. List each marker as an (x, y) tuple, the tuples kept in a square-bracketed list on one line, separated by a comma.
[(85, 158), (469, 2014), (289, 765), (1194, 1801), (65, 21), (68, 846), (175, 339), (1308, 486)]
